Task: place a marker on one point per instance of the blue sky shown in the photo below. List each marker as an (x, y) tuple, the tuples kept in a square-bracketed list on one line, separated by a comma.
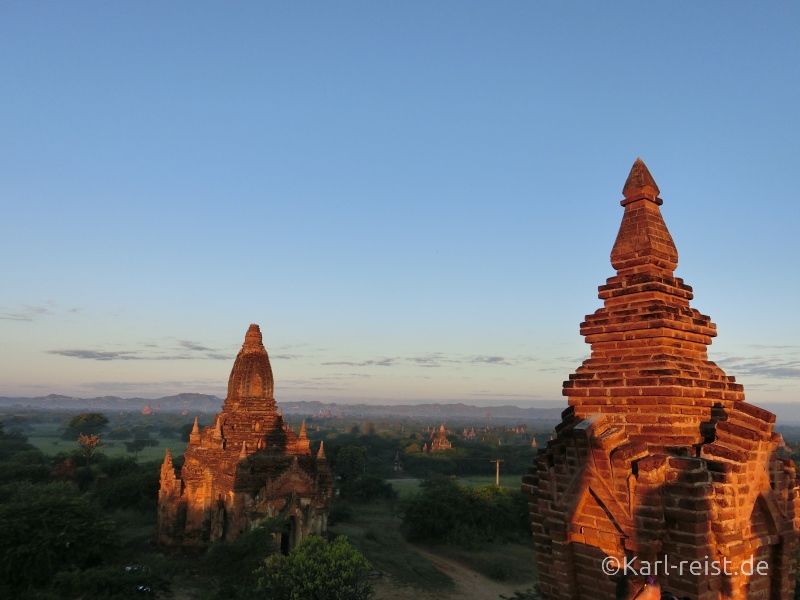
[(416, 201)]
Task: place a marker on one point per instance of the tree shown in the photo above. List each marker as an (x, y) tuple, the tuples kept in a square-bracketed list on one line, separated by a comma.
[(88, 445), (86, 423), (233, 565), (368, 488), (445, 512), (138, 445), (46, 529), (351, 462), (317, 570)]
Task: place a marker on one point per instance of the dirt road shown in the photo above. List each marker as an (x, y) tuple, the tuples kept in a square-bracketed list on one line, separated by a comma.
[(469, 585)]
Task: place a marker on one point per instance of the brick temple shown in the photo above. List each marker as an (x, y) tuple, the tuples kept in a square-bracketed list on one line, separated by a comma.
[(247, 467), (658, 453)]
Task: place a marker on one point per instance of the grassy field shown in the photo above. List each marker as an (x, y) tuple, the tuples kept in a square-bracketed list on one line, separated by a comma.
[(507, 481), (47, 438), (409, 486), (374, 530)]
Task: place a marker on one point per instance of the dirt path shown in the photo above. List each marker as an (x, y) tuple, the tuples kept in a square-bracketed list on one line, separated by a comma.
[(469, 585)]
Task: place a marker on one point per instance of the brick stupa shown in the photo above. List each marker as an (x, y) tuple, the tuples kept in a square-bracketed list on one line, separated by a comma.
[(658, 453), (248, 467)]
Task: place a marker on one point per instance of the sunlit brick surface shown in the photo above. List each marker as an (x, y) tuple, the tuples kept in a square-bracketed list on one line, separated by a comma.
[(658, 453)]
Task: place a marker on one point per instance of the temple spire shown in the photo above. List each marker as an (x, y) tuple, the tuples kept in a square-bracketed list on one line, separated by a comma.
[(243, 453), (643, 244), (640, 184), (303, 434), (321, 453), (253, 341), (194, 436)]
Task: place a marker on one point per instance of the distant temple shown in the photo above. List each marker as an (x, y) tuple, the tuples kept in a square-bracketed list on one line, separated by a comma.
[(439, 441), (658, 454), (248, 467)]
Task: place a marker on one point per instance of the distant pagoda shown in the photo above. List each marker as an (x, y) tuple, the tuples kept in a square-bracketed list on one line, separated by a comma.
[(247, 467), (439, 441), (658, 454)]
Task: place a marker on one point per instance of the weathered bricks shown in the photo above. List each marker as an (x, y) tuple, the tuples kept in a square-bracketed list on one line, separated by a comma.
[(679, 462), (247, 467)]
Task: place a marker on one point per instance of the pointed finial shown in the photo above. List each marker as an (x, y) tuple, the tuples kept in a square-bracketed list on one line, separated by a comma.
[(167, 456), (243, 453), (321, 453), (194, 436), (303, 434), (640, 185), (217, 429), (253, 341), (643, 243)]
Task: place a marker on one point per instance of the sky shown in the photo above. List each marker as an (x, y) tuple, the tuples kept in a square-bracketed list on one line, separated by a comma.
[(416, 201)]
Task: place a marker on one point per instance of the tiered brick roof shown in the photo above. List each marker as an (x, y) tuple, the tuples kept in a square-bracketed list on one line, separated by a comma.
[(248, 466), (658, 452)]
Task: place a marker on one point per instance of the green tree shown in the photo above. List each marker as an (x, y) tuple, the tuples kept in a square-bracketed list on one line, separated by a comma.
[(445, 512), (139, 444), (317, 570), (368, 488), (351, 462), (233, 565), (120, 433), (85, 423), (47, 529)]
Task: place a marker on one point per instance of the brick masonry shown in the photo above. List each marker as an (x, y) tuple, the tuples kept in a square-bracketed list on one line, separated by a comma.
[(658, 453), (247, 467)]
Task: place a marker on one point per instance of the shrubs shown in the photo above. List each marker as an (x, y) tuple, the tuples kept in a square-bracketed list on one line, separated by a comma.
[(445, 512), (233, 564), (317, 570), (368, 488), (128, 485), (47, 529), (115, 581)]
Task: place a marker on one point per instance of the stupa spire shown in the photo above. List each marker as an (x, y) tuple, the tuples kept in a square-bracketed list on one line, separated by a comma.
[(217, 429), (194, 436), (321, 453), (253, 341), (251, 376), (640, 183), (643, 244)]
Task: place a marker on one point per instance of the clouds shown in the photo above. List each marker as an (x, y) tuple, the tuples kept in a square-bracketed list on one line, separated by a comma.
[(26, 312), (773, 367), (432, 360), (186, 350), (382, 362), (97, 354), (33, 312), (490, 360)]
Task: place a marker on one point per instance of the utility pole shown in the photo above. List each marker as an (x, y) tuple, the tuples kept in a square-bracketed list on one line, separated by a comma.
[(497, 472)]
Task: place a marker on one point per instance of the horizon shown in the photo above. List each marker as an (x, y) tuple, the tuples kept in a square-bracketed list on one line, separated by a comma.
[(416, 202), (787, 413)]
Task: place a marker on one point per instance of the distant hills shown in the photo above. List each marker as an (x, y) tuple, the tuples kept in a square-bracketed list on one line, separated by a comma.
[(787, 413), (205, 403), (177, 403)]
